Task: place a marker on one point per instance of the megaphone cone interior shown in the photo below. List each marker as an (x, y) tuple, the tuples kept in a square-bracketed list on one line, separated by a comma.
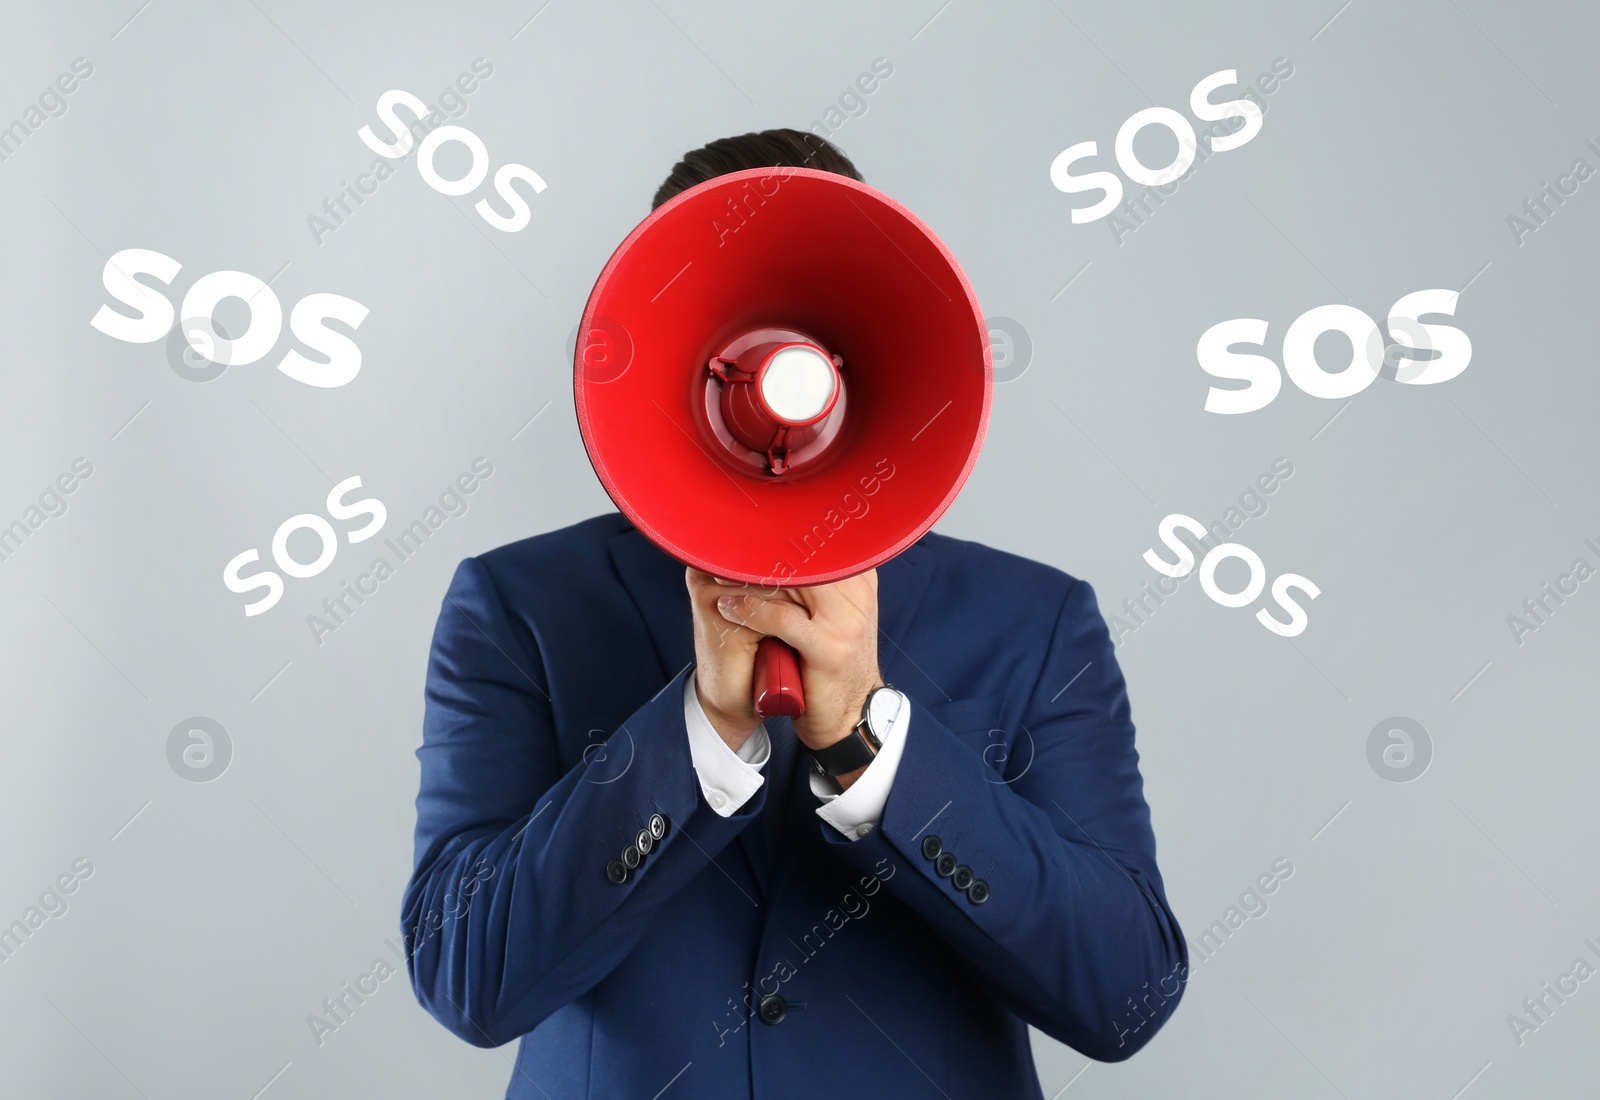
[(782, 377)]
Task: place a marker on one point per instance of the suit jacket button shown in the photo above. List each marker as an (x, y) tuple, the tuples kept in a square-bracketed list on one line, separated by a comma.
[(616, 872), (978, 892), (658, 825), (931, 847), (772, 1009), (945, 865), (644, 842), (631, 857), (961, 877)]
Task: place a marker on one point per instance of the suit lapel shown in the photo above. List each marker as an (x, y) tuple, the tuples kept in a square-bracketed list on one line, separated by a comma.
[(902, 581), (901, 585), (762, 841), (655, 583)]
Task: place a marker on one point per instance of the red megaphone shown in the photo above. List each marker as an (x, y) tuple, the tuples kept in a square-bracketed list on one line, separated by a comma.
[(782, 378)]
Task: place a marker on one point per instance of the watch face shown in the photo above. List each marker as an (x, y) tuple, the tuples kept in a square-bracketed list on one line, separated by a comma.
[(881, 710)]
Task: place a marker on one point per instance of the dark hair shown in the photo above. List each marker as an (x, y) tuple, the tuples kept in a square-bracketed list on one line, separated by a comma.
[(767, 149)]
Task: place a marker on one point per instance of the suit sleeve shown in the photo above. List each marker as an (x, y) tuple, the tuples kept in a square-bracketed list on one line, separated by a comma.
[(512, 910), (1063, 913)]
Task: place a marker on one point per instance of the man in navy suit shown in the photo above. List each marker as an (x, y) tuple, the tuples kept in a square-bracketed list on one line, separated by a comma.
[(619, 865)]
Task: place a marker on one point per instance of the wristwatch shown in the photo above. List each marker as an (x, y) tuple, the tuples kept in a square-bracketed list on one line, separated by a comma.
[(857, 748)]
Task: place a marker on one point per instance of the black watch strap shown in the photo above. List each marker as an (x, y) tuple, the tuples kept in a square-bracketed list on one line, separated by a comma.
[(845, 755), (855, 750)]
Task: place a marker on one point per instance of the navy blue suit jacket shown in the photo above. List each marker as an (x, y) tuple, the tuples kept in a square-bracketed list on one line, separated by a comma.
[(554, 732)]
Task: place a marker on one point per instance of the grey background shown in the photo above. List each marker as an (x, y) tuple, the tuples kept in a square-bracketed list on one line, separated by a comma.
[(219, 915)]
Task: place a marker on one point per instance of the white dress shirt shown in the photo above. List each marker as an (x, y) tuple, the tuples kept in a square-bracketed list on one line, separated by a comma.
[(728, 779)]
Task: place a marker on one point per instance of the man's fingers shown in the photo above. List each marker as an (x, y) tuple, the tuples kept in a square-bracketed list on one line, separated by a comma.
[(699, 581), (776, 618), (720, 632), (845, 601)]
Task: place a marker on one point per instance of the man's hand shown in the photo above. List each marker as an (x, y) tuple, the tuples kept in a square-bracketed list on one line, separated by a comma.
[(724, 654), (835, 629)]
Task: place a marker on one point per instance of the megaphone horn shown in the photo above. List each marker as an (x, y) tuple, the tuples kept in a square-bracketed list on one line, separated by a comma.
[(733, 388)]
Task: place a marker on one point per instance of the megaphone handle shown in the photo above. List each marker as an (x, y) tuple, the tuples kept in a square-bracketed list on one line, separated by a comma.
[(778, 693)]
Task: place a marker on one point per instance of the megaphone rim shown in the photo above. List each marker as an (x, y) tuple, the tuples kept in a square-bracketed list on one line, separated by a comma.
[(650, 531)]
